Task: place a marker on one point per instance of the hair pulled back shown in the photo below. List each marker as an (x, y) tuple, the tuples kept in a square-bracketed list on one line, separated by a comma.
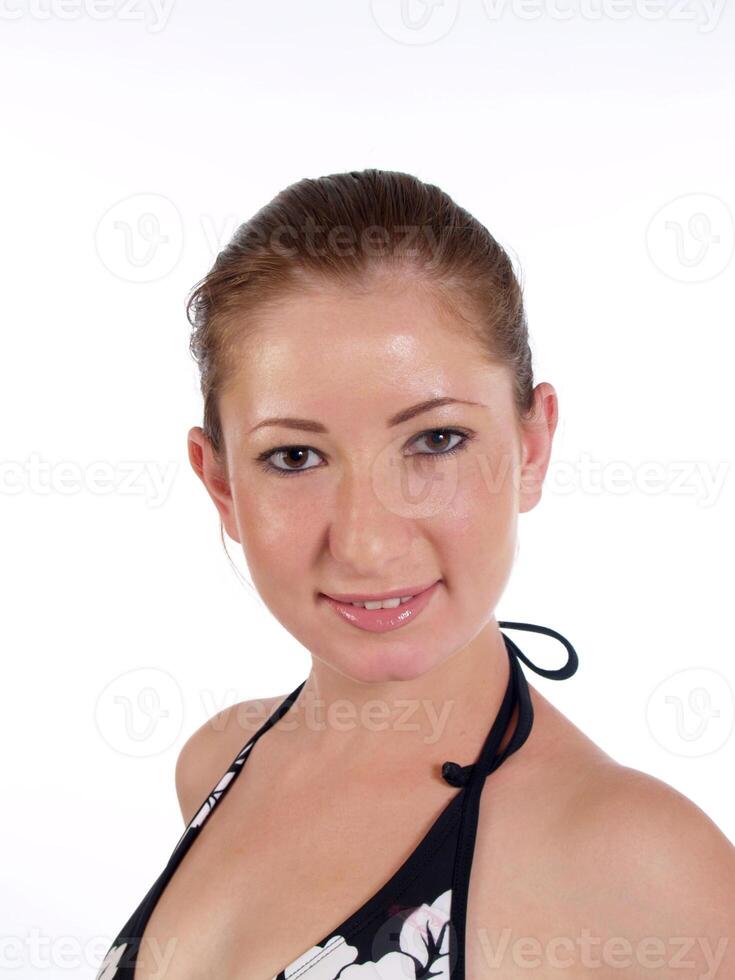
[(357, 230)]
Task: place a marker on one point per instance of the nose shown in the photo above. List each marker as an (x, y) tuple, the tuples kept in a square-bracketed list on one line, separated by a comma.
[(365, 531)]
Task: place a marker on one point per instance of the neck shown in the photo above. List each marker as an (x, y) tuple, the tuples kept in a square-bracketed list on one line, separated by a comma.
[(395, 726)]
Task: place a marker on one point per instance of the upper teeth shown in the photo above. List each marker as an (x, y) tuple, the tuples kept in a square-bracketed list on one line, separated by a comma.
[(383, 603)]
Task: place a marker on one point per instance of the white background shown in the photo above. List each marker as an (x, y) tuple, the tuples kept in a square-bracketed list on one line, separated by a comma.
[(596, 143)]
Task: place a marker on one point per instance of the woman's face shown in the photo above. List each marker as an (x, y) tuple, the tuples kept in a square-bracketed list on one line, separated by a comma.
[(364, 496)]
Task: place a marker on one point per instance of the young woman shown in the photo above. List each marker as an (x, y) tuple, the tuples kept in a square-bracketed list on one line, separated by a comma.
[(414, 808)]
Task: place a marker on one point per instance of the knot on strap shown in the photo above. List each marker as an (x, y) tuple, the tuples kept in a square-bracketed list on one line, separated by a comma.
[(455, 774)]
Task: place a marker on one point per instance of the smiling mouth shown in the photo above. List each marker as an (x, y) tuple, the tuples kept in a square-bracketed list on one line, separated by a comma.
[(389, 599), (382, 614)]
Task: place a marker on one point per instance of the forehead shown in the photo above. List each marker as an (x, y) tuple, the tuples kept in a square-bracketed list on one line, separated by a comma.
[(332, 351)]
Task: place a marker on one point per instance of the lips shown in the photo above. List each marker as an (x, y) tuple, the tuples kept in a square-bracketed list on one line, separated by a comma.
[(413, 590), (382, 620)]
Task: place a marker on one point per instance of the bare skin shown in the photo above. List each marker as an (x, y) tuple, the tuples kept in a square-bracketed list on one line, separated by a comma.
[(244, 903), (265, 905), (321, 816)]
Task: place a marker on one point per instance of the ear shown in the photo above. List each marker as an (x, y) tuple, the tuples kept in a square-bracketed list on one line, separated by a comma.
[(212, 471), (537, 433)]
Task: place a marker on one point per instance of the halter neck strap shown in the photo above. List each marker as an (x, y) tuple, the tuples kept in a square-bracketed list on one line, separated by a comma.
[(515, 692)]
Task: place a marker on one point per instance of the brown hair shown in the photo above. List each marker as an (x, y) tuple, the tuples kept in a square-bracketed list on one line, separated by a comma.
[(346, 229)]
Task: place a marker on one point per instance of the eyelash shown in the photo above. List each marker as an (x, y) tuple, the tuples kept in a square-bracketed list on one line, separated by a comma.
[(264, 458)]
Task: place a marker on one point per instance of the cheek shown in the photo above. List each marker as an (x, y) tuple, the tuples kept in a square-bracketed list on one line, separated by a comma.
[(478, 527), (274, 524)]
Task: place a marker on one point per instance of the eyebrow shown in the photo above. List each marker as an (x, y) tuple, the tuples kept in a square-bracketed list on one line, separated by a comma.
[(308, 425)]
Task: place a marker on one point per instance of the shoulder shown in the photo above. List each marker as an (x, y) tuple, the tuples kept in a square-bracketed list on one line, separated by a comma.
[(604, 868), (628, 822), (660, 864), (649, 820), (209, 751)]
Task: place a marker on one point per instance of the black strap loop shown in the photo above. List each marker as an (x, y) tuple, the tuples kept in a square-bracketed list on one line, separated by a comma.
[(558, 674), (516, 692)]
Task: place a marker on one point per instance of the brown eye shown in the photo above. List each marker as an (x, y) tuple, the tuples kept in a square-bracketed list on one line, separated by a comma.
[(439, 440), (292, 456)]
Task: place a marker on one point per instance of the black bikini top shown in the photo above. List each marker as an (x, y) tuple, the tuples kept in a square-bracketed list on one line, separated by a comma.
[(415, 923)]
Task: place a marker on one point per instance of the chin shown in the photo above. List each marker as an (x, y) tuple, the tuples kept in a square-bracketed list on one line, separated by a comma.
[(402, 662)]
